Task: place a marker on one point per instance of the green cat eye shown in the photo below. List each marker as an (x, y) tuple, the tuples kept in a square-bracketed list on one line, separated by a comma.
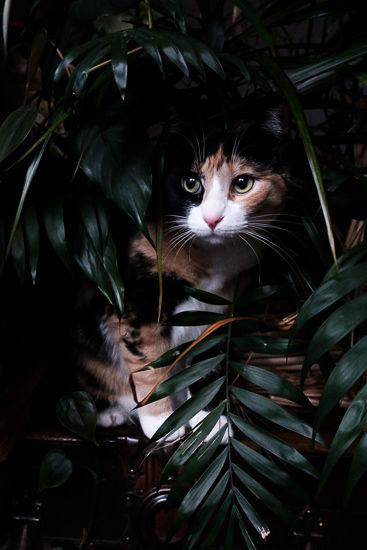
[(191, 185), (243, 184)]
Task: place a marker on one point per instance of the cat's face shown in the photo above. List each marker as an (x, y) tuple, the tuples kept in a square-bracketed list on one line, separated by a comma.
[(228, 187), (230, 197)]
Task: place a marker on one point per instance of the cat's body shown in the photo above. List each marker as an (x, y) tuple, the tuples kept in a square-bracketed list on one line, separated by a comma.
[(219, 196)]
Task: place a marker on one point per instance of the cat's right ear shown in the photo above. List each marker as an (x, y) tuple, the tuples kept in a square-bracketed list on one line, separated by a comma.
[(276, 120)]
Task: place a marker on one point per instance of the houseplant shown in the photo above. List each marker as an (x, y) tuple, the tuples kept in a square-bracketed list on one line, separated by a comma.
[(95, 90)]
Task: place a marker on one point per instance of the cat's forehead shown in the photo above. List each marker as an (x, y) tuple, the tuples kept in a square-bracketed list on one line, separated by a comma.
[(222, 164)]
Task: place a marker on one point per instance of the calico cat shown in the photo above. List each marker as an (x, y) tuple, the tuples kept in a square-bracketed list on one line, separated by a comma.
[(220, 193)]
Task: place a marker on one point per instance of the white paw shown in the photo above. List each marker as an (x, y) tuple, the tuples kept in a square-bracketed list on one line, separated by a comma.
[(223, 420), (113, 416), (150, 424)]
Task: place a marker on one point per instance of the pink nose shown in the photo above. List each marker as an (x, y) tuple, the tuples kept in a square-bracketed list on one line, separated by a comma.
[(212, 222)]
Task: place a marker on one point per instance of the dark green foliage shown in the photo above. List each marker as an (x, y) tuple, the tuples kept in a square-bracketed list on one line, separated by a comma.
[(98, 112)]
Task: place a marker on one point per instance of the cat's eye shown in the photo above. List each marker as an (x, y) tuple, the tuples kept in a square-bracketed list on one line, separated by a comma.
[(243, 184), (191, 184)]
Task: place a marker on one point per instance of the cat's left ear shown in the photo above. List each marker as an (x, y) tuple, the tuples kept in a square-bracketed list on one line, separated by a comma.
[(276, 120)]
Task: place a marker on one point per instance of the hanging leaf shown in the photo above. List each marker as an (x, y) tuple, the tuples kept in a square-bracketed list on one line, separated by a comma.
[(188, 410), (352, 424), (273, 412), (53, 216), (357, 469), (78, 414), (119, 63), (273, 383), (197, 493), (191, 444), (274, 445), (269, 500), (271, 471), (206, 512), (333, 289), (117, 158), (339, 323), (346, 373), (253, 17), (206, 297), (32, 238), (55, 470), (185, 378), (16, 128)]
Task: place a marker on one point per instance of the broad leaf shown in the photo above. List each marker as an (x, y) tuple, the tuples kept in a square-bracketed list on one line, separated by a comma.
[(78, 414), (55, 470), (16, 128)]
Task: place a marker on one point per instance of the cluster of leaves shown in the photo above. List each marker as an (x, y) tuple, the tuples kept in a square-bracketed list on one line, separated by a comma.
[(95, 112)]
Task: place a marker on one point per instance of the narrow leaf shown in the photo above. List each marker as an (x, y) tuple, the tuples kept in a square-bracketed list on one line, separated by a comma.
[(198, 492), (274, 412), (189, 409), (252, 515), (347, 371), (274, 445), (272, 383), (352, 424), (357, 469), (339, 323)]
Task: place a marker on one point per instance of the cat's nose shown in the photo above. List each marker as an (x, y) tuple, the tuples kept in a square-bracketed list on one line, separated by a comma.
[(212, 221)]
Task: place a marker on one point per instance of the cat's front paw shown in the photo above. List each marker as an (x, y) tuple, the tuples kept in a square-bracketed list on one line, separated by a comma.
[(223, 420), (150, 424), (113, 416)]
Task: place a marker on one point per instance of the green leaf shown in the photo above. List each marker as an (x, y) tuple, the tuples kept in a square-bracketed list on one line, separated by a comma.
[(246, 536), (352, 424), (347, 371), (117, 158), (271, 471), (32, 238), (119, 63), (16, 128), (357, 468), (195, 467), (198, 492), (269, 500), (93, 58), (206, 297), (18, 254), (206, 512), (274, 445), (330, 292), (78, 414), (53, 216), (194, 318), (55, 470), (191, 444), (188, 410), (274, 412), (185, 378), (256, 294), (32, 168), (339, 323), (216, 524), (252, 515), (204, 345), (94, 250), (252, 16), (286, 86), (272, 383), (269, 345)]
